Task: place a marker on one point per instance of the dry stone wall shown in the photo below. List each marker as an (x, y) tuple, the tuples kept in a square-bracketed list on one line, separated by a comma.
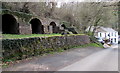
[(27, 47)]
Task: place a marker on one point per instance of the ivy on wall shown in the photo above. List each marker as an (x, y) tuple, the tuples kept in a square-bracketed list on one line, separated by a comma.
[(65, 23), (24, 48), (24, 16)]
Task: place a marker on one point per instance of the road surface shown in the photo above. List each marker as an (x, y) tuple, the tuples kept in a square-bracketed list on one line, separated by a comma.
[(105, 60), (53, 62)]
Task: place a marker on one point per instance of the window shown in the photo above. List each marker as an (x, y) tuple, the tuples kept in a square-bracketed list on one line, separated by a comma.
[(115, 39), (112, 34), (109, 34), (100, 34), (115, 34), (105, 34)]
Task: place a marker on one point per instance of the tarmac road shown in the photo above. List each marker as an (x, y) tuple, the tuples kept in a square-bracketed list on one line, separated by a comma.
[(53, 62), (105, 60)]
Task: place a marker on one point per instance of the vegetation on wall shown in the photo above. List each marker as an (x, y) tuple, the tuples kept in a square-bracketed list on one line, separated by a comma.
[(67, 24), (24, 16), (17, 49)]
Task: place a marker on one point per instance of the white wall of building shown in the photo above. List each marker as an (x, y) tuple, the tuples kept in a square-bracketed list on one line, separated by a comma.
[(112, 36)]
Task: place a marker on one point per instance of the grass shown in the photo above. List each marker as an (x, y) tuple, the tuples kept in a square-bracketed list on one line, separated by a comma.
[(14, 36), (90, 45)]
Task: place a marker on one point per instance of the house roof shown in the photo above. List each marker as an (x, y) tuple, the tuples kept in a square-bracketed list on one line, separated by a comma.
[(108, 29)]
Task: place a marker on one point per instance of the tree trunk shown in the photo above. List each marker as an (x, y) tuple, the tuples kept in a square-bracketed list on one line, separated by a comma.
[(95, 26)]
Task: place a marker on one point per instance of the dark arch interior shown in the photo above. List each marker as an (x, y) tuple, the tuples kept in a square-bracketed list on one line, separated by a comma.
[(54, 29), (53, 24), (37, 27), (63, 25), (9, 24)]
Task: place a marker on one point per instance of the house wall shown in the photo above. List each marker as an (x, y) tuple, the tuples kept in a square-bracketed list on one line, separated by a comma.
[(112, 36)]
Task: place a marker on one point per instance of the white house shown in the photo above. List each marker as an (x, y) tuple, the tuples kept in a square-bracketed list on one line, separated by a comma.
[(105, 33)]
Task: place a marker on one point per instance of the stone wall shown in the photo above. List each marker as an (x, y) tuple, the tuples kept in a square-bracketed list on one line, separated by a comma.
[(25, 27), (27, 47), (13, 24)]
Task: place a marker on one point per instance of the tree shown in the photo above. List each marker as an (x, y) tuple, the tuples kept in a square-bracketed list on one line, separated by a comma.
[(76, 14)]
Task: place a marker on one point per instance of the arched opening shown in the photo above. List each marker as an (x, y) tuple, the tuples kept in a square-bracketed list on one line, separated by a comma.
[(37, 27), (53, 27), (9, 24), (53, 24)]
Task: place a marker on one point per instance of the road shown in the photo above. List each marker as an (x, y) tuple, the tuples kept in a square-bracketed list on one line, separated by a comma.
[(80, 59), (53, 62), (105, 60)]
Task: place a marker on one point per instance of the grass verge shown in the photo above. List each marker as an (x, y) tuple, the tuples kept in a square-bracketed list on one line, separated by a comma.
[(14, 36), (90, 45)]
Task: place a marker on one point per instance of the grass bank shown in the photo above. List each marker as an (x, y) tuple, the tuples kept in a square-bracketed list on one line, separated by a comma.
[(90, 45), (14, 36)]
